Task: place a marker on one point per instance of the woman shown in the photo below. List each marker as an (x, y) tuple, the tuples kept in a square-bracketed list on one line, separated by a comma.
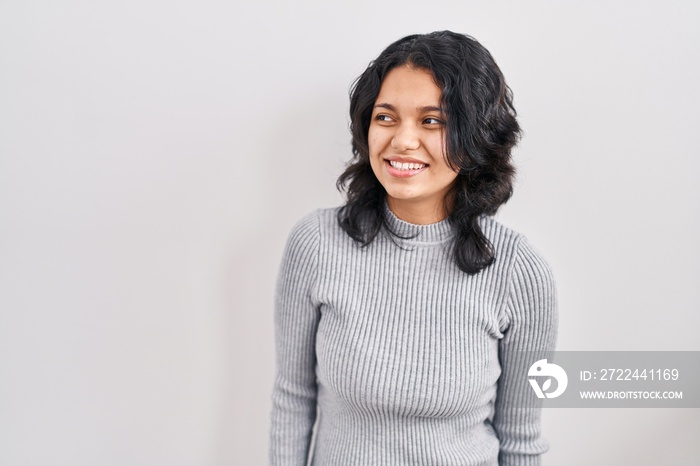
[(396, 313)]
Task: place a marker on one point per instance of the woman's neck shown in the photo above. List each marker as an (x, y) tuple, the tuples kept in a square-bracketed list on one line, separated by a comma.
[(419, 213)]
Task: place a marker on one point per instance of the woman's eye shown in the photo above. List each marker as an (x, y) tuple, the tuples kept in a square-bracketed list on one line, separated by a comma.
[(432, 121), (382, 117)]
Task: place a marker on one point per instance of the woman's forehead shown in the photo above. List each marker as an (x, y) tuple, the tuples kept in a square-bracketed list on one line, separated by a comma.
[(407, 88)]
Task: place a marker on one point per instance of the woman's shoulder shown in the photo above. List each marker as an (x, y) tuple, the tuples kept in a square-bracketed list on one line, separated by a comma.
[(513, 246), (500, 235), (316, 223), (318, 217), (314, 232)]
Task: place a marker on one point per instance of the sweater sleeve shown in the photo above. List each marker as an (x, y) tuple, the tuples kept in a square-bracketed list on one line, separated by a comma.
[(296, 317), (531, 321)]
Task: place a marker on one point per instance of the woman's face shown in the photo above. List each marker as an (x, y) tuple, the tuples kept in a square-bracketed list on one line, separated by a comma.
[(406, 145)]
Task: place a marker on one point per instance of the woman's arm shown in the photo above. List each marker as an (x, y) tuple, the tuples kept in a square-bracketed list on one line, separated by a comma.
[(296, 319), (530, 326)]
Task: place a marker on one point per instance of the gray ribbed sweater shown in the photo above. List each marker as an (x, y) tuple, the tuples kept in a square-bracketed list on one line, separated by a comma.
[(397, 350)]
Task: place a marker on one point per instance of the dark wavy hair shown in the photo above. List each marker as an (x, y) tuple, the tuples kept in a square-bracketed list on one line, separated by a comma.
[(480, 131)]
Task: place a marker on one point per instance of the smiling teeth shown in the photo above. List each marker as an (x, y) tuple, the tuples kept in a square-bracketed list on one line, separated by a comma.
[(406, 166)]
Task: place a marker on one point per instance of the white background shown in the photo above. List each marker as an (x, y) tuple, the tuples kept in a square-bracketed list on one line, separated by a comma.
[(154, 155)]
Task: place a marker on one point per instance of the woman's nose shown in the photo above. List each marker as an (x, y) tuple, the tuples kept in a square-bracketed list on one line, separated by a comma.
[(406, 138)]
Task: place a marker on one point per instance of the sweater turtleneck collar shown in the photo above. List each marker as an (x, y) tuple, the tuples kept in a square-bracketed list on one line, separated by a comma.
[(438, 232)]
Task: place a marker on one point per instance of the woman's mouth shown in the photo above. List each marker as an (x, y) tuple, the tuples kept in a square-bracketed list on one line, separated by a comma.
[(404, 169)]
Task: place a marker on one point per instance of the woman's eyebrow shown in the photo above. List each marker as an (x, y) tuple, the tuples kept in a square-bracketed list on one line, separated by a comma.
[(429, 108), (386, 106)]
